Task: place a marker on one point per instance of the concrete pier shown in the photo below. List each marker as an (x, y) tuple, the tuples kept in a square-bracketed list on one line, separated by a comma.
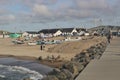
[(107, 67)]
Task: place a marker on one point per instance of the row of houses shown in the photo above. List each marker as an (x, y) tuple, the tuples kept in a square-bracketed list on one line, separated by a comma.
[(55, 32), (48, 32), (72, 31)]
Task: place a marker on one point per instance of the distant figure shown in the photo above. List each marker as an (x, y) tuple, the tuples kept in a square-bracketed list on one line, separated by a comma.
[(102, 33), (41, 47), (108, 37)]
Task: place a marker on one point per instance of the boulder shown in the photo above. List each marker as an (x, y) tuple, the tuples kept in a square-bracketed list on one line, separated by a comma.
[(60, 74), (68, 74), (27, 79), (50, 77), (40, 58), (73, 67)]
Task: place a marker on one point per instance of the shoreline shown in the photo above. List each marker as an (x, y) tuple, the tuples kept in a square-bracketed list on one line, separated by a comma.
[(19, 57), (55, 64)]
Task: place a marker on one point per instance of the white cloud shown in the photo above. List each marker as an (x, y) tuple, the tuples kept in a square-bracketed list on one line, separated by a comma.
[(41, 10), (11, 17), (92, 4), (44, 10), (2, 11), (5, 19), (79, 13)]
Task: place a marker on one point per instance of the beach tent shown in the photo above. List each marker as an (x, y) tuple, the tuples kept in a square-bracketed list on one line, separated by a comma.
[(14, 35)]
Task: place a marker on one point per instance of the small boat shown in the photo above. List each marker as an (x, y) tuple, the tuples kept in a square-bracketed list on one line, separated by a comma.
[(77, 39), (40, 42), (18, 42), (32, 43)]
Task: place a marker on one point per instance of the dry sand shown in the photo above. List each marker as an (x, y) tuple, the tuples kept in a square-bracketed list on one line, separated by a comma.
[(66, 50)]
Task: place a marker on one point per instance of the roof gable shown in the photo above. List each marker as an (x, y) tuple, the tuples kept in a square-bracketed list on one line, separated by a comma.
[(32, 32), (66, 29), (45, 31), (80, 29)]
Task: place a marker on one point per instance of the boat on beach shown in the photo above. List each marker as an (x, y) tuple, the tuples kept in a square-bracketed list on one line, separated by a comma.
[(18, 42), (32, 43)]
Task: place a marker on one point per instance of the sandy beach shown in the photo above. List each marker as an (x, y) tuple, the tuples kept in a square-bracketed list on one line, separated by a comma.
[(66, 50)]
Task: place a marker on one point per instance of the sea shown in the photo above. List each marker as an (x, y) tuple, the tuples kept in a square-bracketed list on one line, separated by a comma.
[(15, 69)]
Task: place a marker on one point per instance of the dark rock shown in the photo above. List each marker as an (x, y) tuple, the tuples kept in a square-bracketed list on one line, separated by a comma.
[(27, 79), (68, 74), (55, 71), (73, 67), (50, 77), (83, 58), (61, 74), (40, 58)]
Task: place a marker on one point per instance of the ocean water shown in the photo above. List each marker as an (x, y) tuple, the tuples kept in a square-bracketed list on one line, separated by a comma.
[(18, 73), (14, 69)]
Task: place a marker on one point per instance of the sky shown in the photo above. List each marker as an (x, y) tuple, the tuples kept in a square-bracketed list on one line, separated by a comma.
[(34, 15)]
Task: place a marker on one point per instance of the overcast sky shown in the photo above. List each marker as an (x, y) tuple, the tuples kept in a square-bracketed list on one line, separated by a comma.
[(33, 15)]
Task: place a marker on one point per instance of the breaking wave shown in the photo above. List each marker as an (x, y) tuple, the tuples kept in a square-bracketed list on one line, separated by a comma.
[(18, 73)]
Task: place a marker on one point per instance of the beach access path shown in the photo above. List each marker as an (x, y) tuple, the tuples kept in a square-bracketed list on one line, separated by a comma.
[(107, 67)]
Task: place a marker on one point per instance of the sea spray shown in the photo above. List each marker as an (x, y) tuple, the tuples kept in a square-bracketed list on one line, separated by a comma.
[(18, 73)]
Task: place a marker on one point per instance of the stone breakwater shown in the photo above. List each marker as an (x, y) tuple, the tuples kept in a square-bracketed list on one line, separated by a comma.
[(71, 69)]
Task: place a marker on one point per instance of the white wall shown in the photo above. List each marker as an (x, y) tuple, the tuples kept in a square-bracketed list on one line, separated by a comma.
[(24, 34), (74, 30), (87, 34), (57, 33), (5, 36), (30, 35)]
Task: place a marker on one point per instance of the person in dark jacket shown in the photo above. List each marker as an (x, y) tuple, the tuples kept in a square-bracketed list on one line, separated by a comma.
[(109, 36)]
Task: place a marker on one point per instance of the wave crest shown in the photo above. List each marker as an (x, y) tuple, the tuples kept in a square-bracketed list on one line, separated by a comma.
[(19, 73)]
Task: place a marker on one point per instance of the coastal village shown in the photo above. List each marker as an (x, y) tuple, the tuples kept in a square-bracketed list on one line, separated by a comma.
[(68, 50), (59, 39), (52, 41)]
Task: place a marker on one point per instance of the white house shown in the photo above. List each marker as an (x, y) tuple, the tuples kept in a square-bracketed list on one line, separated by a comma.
[(30, 34), (50, 32), (4, 34), (68, 31), (57, 33), (87, 34)]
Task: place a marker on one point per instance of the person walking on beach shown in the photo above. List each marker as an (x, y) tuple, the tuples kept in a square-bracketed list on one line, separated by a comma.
[(41, 47)]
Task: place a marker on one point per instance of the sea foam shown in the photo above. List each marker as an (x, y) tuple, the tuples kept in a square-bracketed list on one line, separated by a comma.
[(18, 72)]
